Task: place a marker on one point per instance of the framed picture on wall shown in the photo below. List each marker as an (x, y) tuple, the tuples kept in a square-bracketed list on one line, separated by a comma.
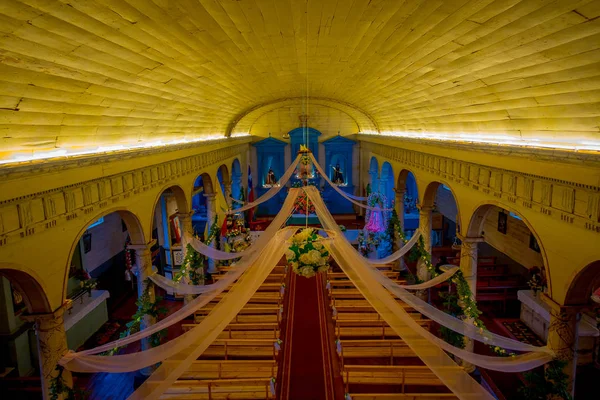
[(87, 242), (533, 244), (502, 218)]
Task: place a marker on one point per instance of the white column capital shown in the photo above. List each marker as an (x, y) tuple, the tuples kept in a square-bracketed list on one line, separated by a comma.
[(209, 196)]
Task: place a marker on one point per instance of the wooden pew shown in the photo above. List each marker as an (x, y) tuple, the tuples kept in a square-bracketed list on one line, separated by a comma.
[(243, 348), (360, 304), (347, 284), (220, 389), (370, 329), (259, 298), (498, 294), (374, 348), (403, 396), (250, 313), (342, 276), (267, 330), (393, 375), (230, 369)]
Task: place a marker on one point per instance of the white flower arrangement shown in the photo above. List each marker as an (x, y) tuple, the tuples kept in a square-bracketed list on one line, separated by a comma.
[(306, 255)]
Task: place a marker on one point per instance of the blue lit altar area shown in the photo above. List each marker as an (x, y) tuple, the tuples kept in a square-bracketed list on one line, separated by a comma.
[(270, 155)]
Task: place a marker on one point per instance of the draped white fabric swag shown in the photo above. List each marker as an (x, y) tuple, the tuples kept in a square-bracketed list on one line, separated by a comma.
[(253, 268)]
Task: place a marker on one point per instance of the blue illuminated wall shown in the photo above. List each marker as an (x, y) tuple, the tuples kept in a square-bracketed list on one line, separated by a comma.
[(270, 153), (339, 150)]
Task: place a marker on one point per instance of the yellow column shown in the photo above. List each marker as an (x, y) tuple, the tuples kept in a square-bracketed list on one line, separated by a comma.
[(399, 206), (142, 270), (185, 219), (52, 345), (563, 336), (468, 267), (211, 212), (227, 187), (425, 228)]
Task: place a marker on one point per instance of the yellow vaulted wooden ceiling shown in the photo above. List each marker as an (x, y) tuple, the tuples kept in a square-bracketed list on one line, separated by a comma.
[(81, 73)]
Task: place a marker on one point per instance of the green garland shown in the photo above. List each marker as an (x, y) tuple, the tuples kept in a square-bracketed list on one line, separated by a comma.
[(60, 389), (193, 261), (145, 307), (465, 298), (552, 383)]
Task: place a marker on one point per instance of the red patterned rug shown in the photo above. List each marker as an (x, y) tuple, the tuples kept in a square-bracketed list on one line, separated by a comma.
[(516, 329)]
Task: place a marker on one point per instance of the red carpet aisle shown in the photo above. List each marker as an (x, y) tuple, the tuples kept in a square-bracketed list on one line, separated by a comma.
[(307, 372)]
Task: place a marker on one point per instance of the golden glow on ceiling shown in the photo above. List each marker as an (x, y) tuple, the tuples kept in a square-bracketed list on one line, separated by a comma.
[(496, 139), (105, 150), (89, 74)]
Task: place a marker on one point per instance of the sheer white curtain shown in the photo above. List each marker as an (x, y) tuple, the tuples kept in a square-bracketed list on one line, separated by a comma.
[(179, 358), (354, 265), (399, 253), (202, 335), (208, 292), (272, 191), (341, 192)]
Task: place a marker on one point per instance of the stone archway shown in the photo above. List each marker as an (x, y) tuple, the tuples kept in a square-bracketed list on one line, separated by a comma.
[(29, 287), (583, 285)]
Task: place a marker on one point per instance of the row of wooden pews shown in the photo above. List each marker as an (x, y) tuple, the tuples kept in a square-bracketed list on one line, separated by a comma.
[(375, 363), (243, 361), (494, 282)]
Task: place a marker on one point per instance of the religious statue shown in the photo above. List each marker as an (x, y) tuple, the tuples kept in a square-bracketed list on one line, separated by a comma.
[(271, 180), (338, 177)]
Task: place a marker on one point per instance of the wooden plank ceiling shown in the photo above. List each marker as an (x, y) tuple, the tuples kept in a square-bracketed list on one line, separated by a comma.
[(77, 73)]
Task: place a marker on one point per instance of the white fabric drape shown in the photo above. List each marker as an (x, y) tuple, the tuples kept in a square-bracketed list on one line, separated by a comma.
[(210, 327), (256, 248), (209, 291), (397, 254), (354, 265), (193, 343), (272, 191), (340, 191)]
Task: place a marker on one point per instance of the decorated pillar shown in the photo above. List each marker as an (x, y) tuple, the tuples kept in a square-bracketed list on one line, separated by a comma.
[(468, 267), (185, 219), (563, 335), (227, 187), (425, 228), (211, 213), (142, 270), (399, 207), (52, 345)]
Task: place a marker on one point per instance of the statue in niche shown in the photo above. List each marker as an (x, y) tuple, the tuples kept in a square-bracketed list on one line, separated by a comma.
[(338, 176), (271, 180)]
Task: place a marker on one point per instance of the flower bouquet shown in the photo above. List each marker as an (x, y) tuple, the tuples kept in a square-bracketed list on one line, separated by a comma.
[(302, 205), (306, 255)]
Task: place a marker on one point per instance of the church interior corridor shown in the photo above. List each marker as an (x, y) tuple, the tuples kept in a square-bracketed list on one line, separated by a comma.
[(299, 199)]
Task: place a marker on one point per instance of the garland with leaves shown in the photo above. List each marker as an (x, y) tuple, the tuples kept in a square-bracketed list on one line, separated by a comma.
[(146, 307), (540, 386), (464, 297), (193, 262), (60, 389), (551, 383)]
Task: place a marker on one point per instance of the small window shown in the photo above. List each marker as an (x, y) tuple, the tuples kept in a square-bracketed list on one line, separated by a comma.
[(445, 187)]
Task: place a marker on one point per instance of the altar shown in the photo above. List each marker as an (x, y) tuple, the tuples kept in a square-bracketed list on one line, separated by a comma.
[(300, 219), (536, 315)]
